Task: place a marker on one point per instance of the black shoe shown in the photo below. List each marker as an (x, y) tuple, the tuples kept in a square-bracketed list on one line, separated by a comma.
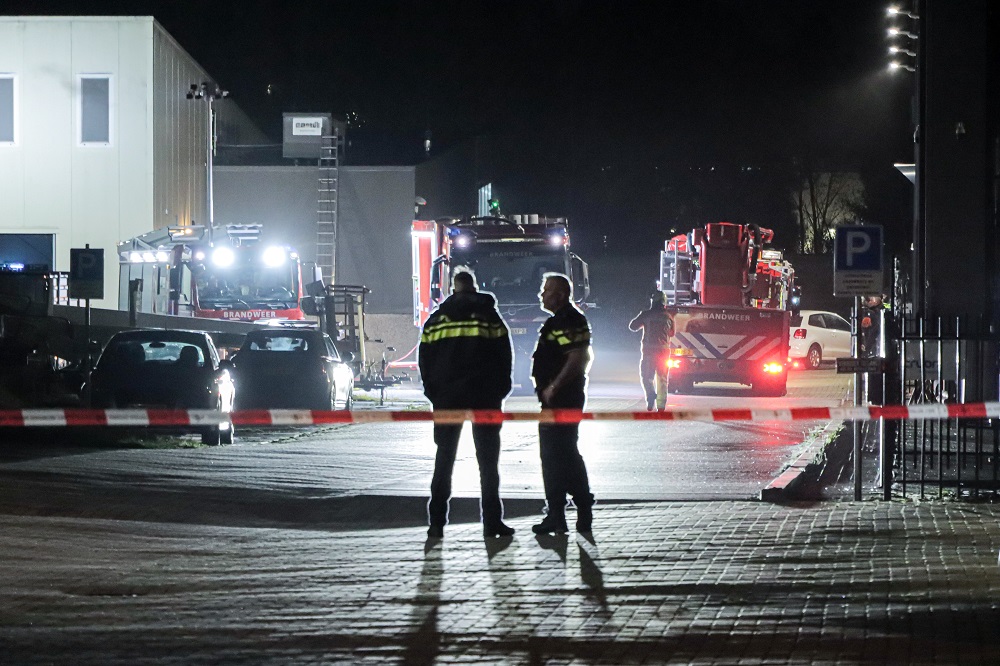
[(584, 519), (551, 524), (435, 532), (649, 406), (498, 530)]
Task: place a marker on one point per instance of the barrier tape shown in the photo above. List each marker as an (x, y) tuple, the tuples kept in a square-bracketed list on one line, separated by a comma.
[(302, 417)]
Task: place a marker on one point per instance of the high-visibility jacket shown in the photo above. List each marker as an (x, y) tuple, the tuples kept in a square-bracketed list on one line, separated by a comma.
[(563, 332), (465, 353)]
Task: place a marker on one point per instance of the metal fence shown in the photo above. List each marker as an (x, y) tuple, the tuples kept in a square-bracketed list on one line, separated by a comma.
[(943, 360)]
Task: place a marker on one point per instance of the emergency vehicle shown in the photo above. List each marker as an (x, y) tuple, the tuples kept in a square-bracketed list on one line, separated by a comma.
[(220, 273), (509, 256), (730, 298)]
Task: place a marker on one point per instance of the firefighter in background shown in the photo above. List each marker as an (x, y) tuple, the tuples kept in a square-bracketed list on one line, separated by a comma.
[(657, 326), (465, 362), (871, 322)]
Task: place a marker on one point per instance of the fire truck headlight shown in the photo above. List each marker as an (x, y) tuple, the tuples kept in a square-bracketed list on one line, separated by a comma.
[(274, 256), (199, 256), (223, 256), (462, 241), (556, 239)]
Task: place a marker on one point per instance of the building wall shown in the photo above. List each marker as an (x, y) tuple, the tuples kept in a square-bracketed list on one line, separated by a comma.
[(180, 134), (49, 183), (376, 208)]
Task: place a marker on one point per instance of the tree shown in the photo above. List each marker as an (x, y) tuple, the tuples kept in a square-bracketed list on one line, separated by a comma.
[(824, 201)]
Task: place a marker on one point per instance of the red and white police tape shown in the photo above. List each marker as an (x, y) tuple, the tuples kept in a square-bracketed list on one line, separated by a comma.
[(285, 417)]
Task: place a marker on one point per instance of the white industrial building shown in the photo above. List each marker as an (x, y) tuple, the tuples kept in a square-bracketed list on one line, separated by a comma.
[(98, 139)]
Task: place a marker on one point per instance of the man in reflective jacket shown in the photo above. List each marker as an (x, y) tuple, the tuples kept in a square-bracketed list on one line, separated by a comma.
[(465, 362), (657, 325), (559, 370)]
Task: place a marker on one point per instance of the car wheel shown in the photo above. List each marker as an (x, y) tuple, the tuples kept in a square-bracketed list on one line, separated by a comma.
[(678, 385), (814, 357), (349, 403), (769, 389), (211, 436)]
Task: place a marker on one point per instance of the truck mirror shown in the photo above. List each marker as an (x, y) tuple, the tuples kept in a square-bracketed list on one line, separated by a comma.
[(435, 293), (175, 279), (309, 306), (316, 288), (581, 278)]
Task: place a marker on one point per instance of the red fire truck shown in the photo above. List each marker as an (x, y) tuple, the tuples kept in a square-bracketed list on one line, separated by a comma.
[(509, 256), (731, 300), (223, 273)]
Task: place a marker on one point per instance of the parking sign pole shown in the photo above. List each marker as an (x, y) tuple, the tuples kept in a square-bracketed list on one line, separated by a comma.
[(858, 399)]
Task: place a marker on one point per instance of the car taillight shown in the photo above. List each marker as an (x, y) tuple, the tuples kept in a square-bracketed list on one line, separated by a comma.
[(773, 368), (800, 334)]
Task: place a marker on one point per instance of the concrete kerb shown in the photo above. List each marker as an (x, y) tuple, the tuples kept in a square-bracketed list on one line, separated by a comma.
[(782, 488)]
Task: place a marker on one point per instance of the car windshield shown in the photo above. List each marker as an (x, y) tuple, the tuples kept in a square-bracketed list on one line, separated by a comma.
[(512, 273), (246, 284), (277, 343)]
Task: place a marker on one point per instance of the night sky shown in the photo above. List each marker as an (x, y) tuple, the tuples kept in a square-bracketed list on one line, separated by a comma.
[(667, 80), (593, 102)]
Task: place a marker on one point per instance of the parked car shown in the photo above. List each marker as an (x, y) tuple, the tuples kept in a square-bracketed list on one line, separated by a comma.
[(165, 369), (817, 336), (294, 369)]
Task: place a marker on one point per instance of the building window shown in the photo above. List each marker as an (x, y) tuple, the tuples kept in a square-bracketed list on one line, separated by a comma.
[(95, 109), (7, 109)]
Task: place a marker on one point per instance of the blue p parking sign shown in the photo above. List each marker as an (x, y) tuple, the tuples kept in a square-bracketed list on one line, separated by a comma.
[(857, 261), (86, 273)]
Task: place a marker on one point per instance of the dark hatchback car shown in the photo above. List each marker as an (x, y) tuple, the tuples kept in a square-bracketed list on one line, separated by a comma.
[(164, 369), (292, 369)]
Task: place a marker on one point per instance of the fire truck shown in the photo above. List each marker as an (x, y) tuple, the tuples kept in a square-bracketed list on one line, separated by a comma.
[(220, 273), (731, 300), (509, 256)]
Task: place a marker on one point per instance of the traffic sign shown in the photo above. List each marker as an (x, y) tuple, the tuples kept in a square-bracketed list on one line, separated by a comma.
[(86, 273), (857, 261)]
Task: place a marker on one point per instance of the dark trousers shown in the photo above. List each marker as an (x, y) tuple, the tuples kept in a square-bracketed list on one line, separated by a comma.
[(653, 376), (563, 469), (487, 441)]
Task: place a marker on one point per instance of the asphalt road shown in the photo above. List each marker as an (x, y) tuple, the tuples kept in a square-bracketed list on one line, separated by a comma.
[(627, 460)]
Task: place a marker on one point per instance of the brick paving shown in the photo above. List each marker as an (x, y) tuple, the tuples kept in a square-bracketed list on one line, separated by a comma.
[(697, 582)]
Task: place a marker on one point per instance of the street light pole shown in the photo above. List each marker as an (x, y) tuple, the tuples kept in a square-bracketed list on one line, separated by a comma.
[(915, 50), (209, 92)]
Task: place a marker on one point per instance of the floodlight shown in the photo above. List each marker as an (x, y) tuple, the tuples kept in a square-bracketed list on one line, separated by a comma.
[(223, 257)]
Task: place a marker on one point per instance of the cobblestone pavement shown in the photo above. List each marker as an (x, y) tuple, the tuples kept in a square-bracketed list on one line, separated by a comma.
[(700, 582)]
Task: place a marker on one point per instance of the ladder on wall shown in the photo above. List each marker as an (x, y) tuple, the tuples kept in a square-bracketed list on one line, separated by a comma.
[(326, 209)]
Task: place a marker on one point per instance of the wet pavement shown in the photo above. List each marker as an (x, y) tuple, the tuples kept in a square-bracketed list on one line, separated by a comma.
[(697, 582), (154, 562)]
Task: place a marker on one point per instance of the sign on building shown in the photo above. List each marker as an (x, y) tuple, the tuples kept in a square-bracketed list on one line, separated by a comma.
[(857, 261), (304, 135), (86, 273)]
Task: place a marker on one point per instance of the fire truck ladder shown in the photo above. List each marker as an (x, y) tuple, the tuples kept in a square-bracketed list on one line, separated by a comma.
[(326, 209)]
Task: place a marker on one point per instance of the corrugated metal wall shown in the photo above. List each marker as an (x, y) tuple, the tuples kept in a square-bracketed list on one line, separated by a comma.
[(376, 208)]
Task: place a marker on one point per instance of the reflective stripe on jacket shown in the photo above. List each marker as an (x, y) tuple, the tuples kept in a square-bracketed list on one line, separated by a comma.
[(465, 354)]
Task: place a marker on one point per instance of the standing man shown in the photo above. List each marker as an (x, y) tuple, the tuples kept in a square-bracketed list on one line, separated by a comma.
[(559, 370), (465, 362), (657, 327)]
